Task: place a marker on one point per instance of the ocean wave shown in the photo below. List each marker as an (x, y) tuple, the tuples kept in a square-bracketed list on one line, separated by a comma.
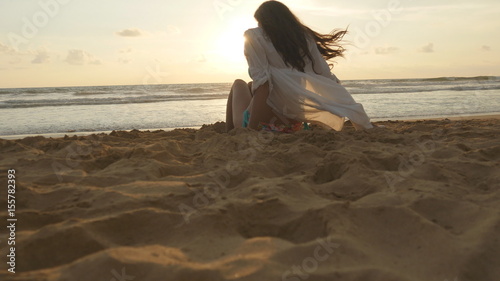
[(195, 90), (454, 79), (101, 95), (91, 93), (199, 88), (103, 101), (99, 98), (423, 89)]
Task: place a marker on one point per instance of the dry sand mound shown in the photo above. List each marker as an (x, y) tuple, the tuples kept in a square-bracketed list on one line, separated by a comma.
[(413, 201)]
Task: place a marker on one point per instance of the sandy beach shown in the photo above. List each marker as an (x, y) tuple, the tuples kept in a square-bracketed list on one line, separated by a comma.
[(414, 201)]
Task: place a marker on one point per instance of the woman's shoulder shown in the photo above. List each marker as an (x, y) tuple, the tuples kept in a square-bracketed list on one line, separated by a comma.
[(254, 32)]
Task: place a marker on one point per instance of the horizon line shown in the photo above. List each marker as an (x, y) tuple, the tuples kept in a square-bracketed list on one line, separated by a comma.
[(201, 83)]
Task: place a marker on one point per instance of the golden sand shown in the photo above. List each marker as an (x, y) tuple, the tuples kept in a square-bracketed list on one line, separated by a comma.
[(413, 201)]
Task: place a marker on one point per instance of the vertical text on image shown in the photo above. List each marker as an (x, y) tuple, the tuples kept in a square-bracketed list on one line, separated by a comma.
[(11, 220)]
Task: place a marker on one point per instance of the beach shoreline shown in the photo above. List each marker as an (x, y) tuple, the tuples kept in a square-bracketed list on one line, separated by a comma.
[(375, 120)]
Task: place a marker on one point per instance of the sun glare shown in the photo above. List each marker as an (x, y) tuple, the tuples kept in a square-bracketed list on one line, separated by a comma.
[(231, 41)]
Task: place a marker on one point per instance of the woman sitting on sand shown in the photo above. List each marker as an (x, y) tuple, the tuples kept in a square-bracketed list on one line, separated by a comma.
[(292, 83)]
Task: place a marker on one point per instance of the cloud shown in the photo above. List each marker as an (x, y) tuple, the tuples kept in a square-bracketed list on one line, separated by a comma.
[(486, 48), (173, 30), (429, 48), (80, 57), (131, 32), (126, 51), (125, 55), (414, 12), (446, 7), (6, 49), (332, 11), (200, 59), (12, 55), (42, 56), (15, 60), (386, 50)]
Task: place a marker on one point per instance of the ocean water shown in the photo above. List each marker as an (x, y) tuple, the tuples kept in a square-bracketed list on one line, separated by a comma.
[(30, 111)]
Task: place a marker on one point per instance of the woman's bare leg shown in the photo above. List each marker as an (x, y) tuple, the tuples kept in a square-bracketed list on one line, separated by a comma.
[(238, 101), (229, 112)]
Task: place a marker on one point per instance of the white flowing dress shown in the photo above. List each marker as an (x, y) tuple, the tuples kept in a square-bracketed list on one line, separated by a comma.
[(313, 96)]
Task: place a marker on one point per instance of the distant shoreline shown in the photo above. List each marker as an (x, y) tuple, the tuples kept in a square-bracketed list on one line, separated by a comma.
[(375, 120)]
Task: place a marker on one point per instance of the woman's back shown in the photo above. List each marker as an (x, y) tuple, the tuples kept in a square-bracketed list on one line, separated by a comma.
[(257, 37), (313, 95)]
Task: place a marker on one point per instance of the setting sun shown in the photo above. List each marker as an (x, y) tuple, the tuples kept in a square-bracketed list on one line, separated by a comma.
[(231, 41)]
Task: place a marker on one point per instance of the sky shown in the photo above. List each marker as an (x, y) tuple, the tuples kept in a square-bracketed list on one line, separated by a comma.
[(52, 43)]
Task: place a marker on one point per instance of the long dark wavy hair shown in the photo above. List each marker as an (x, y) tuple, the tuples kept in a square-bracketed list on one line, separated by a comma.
[(289, 35)]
